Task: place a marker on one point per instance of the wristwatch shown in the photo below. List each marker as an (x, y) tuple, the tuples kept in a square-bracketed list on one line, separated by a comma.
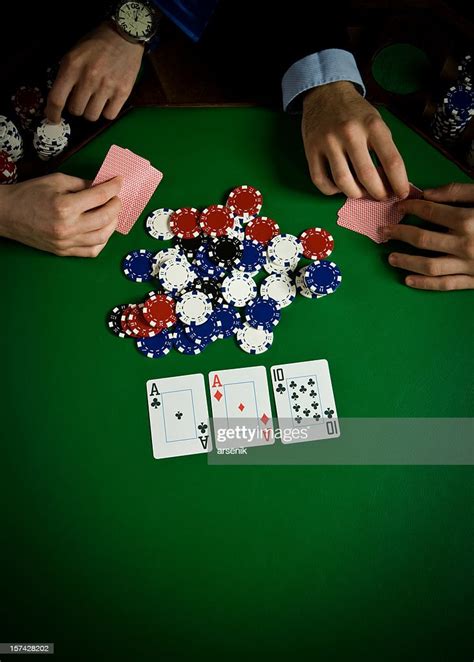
[(135, 21)]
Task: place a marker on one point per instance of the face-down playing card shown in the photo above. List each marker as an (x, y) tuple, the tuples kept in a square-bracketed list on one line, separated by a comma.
[(139, 181), (179, 418), (305, 401), (241, 408), (368, 216)]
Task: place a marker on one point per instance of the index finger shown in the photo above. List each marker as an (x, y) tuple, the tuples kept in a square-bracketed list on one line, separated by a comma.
[(454, 192), (96, 196), (59, 93), (390, 159), (434, 212)]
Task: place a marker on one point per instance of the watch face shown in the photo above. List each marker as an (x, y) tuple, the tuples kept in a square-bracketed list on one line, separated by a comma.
[(136, 19)]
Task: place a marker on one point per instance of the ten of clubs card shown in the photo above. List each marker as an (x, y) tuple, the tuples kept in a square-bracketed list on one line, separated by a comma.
[(241, 407), (179, 417), (305, 401)]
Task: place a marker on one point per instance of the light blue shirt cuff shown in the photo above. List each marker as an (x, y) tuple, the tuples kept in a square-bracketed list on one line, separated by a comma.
[(328, 66)]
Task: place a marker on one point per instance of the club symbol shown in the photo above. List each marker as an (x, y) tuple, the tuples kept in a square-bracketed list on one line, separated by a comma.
[(280, 389), (317, 416), (315, 405), (329, 412), (179, 415), (295, 396), (296, 407), (303, 389), (155, 403), (202, 428), (312, 393), (293, 384), (306, 412), (311, 382), (298, 419)]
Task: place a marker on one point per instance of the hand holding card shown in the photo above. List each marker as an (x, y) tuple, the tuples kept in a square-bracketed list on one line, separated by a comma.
[(368, 216), (139, 181)]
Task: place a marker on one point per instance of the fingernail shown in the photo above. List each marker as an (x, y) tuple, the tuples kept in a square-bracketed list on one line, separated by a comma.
[(392, 258), (410, 282), (386, 233)]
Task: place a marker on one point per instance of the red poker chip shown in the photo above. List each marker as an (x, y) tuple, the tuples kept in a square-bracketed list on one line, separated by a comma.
[(262, 229), (27, 100), (215, 220), (184, 223), (245, 201), (124, 319), (8, 170), (317, 243), (138, 326), (159, 311)]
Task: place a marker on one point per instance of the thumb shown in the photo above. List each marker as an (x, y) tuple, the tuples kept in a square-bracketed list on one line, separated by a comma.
[(454, 192)]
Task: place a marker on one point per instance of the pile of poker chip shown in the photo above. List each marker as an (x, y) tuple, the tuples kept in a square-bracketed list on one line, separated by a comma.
[(50, 140), (11, 141), (28, 103), (205, 288), (454, 113)]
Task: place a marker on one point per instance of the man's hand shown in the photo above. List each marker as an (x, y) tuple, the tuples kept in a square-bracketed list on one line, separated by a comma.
[(455, 269), (339, 129), (96, 77), (60, 214)]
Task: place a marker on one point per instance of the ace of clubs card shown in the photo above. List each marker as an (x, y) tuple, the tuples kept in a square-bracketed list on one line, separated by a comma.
[(179, 418)]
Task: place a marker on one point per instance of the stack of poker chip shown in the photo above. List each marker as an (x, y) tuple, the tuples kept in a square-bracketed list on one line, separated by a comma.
[(465, 69), (11, 141), (454, 113), (8, 173), (204, 286), (50, 140), (28, 102)]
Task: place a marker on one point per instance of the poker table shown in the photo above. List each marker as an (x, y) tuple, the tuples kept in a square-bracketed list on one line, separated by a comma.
[(114, 555)]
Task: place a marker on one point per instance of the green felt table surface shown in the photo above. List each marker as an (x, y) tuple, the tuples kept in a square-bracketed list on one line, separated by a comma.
[(106, 550)]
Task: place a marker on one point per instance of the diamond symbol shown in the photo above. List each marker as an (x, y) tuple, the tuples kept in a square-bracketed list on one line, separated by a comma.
[(264, 419), (241, 407), (218, 395)]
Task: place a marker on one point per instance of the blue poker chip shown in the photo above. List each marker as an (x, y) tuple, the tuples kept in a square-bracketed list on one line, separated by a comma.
[(205, 266), (138, 265), (252, 258), (263, 313), (460, 100), (206, 332), (230, 320), (156, 347), (322, 277), (185, 344)]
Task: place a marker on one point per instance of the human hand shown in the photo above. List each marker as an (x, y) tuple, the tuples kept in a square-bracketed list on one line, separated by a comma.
[(60, 214), (339, 129), (96, 77), (454, 270)]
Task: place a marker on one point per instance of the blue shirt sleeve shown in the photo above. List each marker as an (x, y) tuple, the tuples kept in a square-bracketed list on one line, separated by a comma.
[(328, 66)]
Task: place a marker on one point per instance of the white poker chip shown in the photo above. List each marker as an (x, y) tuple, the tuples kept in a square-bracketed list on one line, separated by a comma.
[(254, 341), (279, 287), (176, 275), (284, 250), (194, 307), (239, 288), (303, 289), (275, 268), (158, 224), (237, 230), (164, 256)]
